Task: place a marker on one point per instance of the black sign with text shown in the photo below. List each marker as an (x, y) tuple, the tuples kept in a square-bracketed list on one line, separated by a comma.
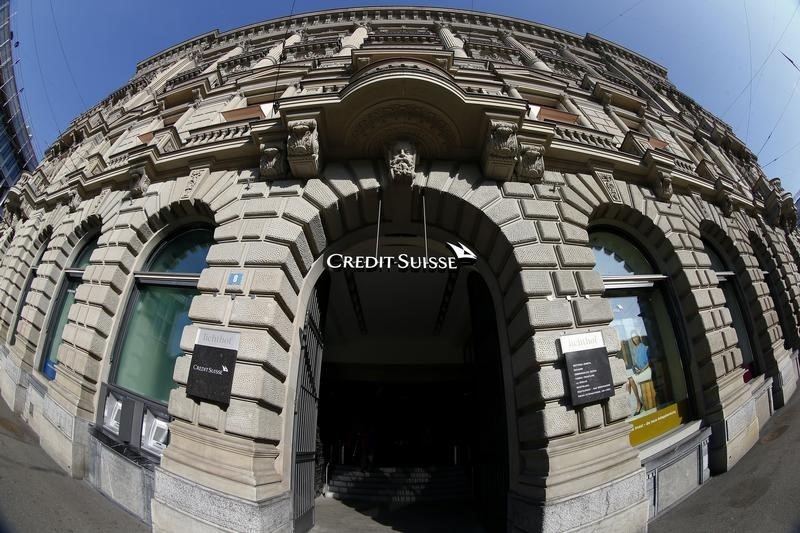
[(211, 373), (589, 374)]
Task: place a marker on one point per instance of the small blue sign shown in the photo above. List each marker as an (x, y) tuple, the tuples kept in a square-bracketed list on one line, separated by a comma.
[(235, 278)]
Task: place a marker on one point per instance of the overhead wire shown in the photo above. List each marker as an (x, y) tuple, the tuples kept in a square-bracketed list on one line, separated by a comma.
[(783, 112), (795, 147), (763, 64), (280, 59), (750, 62), (615, 19), (64, 55), (44, 86)]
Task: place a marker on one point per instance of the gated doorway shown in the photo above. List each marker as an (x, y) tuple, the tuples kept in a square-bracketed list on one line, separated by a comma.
[(400, 396)]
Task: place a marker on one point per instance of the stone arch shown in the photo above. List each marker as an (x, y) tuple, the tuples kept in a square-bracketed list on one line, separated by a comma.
[(669, 232), (776, 284), (67, 234), (274, 233), (23, 251), (735, 245)]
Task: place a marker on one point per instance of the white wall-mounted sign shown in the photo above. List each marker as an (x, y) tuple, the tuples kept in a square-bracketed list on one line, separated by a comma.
[(462, 255)]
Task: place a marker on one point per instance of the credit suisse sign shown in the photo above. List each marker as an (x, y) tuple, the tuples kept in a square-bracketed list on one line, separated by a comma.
[(403, 262)]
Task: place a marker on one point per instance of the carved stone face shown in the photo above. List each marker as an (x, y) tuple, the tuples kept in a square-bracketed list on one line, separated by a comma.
[(401, 156)]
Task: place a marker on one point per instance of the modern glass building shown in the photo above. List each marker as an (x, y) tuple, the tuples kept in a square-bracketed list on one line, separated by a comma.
[(398, 255), (16, 150)]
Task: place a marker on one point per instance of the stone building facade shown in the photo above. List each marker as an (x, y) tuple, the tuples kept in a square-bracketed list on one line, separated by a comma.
[(210, 192)]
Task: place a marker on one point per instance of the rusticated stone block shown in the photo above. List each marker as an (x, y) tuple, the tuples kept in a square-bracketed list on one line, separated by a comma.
[(209, 414), (535, 256), (227, 253), (517, 189), (617, 407), (592, 311), (590, 282), (249, 419), (208, 308), (564, 283), (591, 416), (551, 422), (181, 406), (262, 313), (253, 382), (575, 256), (273, 281), (548, 231), (539, 209)]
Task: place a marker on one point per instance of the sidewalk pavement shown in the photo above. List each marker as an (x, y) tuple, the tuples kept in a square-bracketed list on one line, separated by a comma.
[(36, 495), (761, 493)]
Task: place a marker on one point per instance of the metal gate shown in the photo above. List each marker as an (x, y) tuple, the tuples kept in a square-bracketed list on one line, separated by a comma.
[(305, 415)]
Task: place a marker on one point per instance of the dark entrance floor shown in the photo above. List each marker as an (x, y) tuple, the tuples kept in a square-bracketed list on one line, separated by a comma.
[(334, 516)]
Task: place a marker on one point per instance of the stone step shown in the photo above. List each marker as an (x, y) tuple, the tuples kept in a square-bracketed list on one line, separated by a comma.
[(400, 498)]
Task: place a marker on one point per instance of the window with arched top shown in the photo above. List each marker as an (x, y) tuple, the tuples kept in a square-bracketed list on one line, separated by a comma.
[(66, 298), (26, 288), (135, 407), (656, 384), (733, 302)]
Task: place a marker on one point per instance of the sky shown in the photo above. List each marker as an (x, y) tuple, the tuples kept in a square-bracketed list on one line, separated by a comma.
[(74, 53)]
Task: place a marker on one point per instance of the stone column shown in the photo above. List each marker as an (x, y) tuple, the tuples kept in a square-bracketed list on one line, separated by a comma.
[(354, 40), (567, 54), (608, 108), (575, 110), (274, 54), (450, 41), (529, 57)]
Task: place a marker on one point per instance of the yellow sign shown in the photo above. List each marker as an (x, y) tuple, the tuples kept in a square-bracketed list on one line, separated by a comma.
[(650, 426)]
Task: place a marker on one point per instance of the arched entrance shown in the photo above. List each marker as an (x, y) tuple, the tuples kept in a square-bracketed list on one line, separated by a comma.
[(400, 410)]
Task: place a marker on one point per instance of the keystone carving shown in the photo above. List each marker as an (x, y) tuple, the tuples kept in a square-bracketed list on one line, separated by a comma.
[(272, 165), (530, 166), (302, 148), (723, 196), (303, 138), (139, 182), (502, 140), (402, 158), (74, 201), (501, 151), (661, 180)]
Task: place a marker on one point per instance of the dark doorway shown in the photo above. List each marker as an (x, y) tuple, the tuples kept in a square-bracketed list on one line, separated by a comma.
[(410, 398)]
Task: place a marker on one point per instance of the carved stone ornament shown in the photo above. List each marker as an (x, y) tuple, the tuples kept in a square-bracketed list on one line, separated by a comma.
[(272, 164), (194, 177), (788, 215), (74, 201), (139, 182), (501, 150), (502, 141), (609, 184), (402, 158), (302, 148), (722, 194), (530, 166), (664, 185), (303, 138)]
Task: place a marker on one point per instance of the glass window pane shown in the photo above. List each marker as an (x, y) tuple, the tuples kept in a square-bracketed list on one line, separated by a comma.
[(82, 261), (656, 385), (152, 341), (616, 256), (56, 331), (185, 253), (717, 264)]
